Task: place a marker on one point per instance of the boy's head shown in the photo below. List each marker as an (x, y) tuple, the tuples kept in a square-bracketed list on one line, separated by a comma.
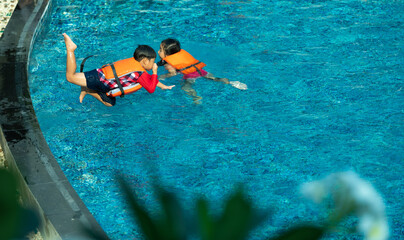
[(145, 55), (168, 47)]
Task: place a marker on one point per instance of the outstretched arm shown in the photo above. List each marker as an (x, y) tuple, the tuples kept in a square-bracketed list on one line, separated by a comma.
[(171, 72), (164, 87), (159, 84), (150, 82)]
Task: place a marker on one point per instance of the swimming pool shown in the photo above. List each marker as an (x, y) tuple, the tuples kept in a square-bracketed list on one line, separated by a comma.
[(325, 95)]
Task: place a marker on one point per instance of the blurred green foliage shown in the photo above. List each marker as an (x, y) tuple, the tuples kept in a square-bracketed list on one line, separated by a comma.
[(237, 219), (16, 222), (235, 222)]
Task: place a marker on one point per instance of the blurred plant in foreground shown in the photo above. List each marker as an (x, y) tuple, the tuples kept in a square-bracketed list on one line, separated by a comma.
[(351, 195), (16, 221), (234, 223)]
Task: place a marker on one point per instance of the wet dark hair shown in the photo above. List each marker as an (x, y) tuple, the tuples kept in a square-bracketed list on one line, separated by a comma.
[(144, 51), (170, 46)]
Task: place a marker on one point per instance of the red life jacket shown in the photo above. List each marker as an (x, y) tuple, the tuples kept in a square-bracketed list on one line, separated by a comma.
[(184, 62)]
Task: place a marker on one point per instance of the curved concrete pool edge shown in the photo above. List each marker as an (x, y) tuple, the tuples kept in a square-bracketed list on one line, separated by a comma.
[(63, 210)]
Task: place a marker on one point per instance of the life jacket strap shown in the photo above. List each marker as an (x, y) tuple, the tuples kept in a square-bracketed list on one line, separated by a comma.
[(193, 65), (82, 63), (117, 79), (113, 71)]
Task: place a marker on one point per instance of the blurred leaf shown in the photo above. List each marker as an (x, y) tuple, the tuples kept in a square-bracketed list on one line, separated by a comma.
[(28, 221), (204, 220), (173, 223), (15, 221), (145, 222), (302, 233), (8, 205), (236, 220)]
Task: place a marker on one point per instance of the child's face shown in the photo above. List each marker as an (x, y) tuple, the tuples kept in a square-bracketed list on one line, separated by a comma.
[(161, 52), (147, 63)]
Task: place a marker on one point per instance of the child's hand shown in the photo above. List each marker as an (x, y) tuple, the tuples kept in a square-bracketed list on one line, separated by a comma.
[(164, 87), (168, 87), (154, 69)]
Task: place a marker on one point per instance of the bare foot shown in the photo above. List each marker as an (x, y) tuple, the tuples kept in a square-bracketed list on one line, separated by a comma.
[(83, 93), (239, 85), (197, 99), (70, 45)]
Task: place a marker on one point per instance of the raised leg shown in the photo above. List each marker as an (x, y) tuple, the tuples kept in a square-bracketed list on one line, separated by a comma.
[(71, 75)]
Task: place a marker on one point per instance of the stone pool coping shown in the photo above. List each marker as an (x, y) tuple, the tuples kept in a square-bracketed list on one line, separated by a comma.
[(26, 152)]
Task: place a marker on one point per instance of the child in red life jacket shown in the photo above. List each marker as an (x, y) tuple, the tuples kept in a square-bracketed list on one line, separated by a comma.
[(99, 82), (177, 60)]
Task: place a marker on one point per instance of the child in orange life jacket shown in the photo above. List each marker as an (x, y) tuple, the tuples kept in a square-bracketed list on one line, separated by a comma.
[(177, 60), (100, 81)]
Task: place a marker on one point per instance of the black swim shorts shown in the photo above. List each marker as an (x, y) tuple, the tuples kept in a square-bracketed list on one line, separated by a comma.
[(94, 83)]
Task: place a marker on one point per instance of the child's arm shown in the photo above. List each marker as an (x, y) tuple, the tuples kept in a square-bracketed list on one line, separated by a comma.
[(171, 72), (159, 84), (149, 82), (164, 87)]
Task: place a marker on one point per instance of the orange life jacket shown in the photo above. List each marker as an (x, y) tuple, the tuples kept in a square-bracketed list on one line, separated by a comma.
[(127, 90), (122, 67), (184, 62)]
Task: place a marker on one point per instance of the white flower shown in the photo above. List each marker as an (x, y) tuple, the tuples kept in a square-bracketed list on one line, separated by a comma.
[(352, 194), (316, 191), (373, 228)]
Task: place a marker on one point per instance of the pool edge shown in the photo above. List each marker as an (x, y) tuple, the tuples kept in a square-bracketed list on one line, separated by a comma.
[(62, 211)]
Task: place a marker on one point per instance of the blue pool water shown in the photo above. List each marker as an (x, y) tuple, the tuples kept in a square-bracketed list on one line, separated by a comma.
[(325, 94)]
